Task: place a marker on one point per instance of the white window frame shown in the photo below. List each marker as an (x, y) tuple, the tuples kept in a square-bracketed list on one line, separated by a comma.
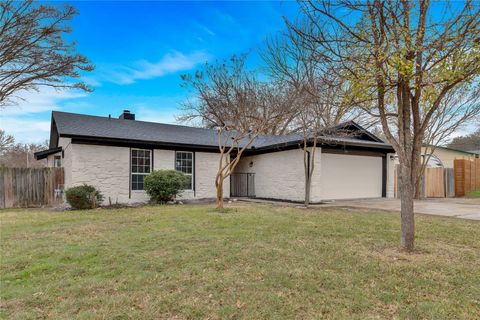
[(192, 175), (55, 158), (139, 173)]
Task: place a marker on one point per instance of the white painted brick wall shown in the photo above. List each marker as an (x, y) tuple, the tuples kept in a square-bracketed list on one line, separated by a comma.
[(206, 166), (65, 143), (163, 159), (107, 168), (281, 175), (390, 175)]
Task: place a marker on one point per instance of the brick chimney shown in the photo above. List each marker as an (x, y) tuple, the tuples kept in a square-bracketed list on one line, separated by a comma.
[(127, 115)]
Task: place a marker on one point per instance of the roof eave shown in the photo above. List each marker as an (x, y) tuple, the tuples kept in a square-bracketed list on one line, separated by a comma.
[(45, 153), (321, 142)]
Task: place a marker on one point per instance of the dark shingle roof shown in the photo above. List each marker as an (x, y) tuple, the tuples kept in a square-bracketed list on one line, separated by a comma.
[(86, 126)]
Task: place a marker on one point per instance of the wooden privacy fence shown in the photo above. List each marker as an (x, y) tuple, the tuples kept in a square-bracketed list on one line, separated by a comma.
[(467, 176), (436, 183), (31, 187)]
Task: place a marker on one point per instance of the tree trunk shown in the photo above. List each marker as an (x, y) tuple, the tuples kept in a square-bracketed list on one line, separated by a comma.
[(308, 185), (219, 187), (407, 192), (418, 186)]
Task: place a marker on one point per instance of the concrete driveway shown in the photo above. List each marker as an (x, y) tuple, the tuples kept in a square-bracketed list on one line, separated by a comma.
[(449, 207)]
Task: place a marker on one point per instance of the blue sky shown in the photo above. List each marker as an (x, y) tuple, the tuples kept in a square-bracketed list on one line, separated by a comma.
[(140, 49)]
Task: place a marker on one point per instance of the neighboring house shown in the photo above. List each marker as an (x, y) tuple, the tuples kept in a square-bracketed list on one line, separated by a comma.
[(447, 155), (477, 152), (116, 154)]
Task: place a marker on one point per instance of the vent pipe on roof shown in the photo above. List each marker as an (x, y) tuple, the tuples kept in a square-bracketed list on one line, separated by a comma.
[(127, 115)]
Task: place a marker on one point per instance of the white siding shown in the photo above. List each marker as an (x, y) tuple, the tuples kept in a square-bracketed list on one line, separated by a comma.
[(206, 167), (65, 143), (351, 176), (281, 175), (390, 175), (67, 146), (107, 168)]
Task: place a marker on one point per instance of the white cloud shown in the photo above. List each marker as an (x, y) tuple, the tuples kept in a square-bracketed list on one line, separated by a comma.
[(24, 119), (204, 29), (146, 113), (44, 100), (26, 130), (143, 69)]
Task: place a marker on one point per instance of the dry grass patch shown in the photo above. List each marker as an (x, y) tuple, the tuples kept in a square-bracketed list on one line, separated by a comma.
[(254, 261)]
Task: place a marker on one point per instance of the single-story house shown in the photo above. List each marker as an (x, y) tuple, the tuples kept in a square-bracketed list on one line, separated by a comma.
[(115, 155), (446, 156)]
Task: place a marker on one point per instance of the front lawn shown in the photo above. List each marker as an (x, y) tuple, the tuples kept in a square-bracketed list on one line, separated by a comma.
[(254, 262)]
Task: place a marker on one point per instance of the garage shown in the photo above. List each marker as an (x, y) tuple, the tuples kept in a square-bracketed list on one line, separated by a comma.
[(346, 176)]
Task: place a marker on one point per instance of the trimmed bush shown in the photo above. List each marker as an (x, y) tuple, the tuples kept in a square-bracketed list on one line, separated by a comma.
[(163, 185), (84, 197)]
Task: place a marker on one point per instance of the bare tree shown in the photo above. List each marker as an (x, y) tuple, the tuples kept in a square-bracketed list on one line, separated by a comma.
[(19, 155), (405, 57), (232, 99), (6, 141), (33, 51), (459, 108), (320, 96)]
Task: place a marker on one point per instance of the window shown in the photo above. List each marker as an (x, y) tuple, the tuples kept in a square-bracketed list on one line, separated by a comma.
[(141, 166), (184, 163), (57, 161)]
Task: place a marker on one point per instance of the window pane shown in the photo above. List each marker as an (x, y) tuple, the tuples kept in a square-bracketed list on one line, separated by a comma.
[(137, 181), (184, 163), (140, 166)]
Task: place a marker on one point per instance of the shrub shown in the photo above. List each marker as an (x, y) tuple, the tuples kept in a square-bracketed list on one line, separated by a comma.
[(83, 197), (164, 185)]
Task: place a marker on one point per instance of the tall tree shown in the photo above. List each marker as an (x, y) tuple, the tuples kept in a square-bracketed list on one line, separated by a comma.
[(406, 58), (19, 155), (469, 142), (320, 97), (33, 50), (231, 99), (459, 108)]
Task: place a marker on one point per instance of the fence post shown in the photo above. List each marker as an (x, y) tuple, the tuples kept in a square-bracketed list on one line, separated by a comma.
[(477, 174)]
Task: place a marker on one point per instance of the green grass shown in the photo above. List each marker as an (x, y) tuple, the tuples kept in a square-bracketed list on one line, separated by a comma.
[(253, 262), (474, 194)]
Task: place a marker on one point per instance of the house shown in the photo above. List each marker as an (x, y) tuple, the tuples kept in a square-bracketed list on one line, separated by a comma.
[(445, 156), (116, 154)]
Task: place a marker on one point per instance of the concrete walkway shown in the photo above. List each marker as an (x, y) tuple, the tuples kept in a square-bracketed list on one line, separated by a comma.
[(448, 207)]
